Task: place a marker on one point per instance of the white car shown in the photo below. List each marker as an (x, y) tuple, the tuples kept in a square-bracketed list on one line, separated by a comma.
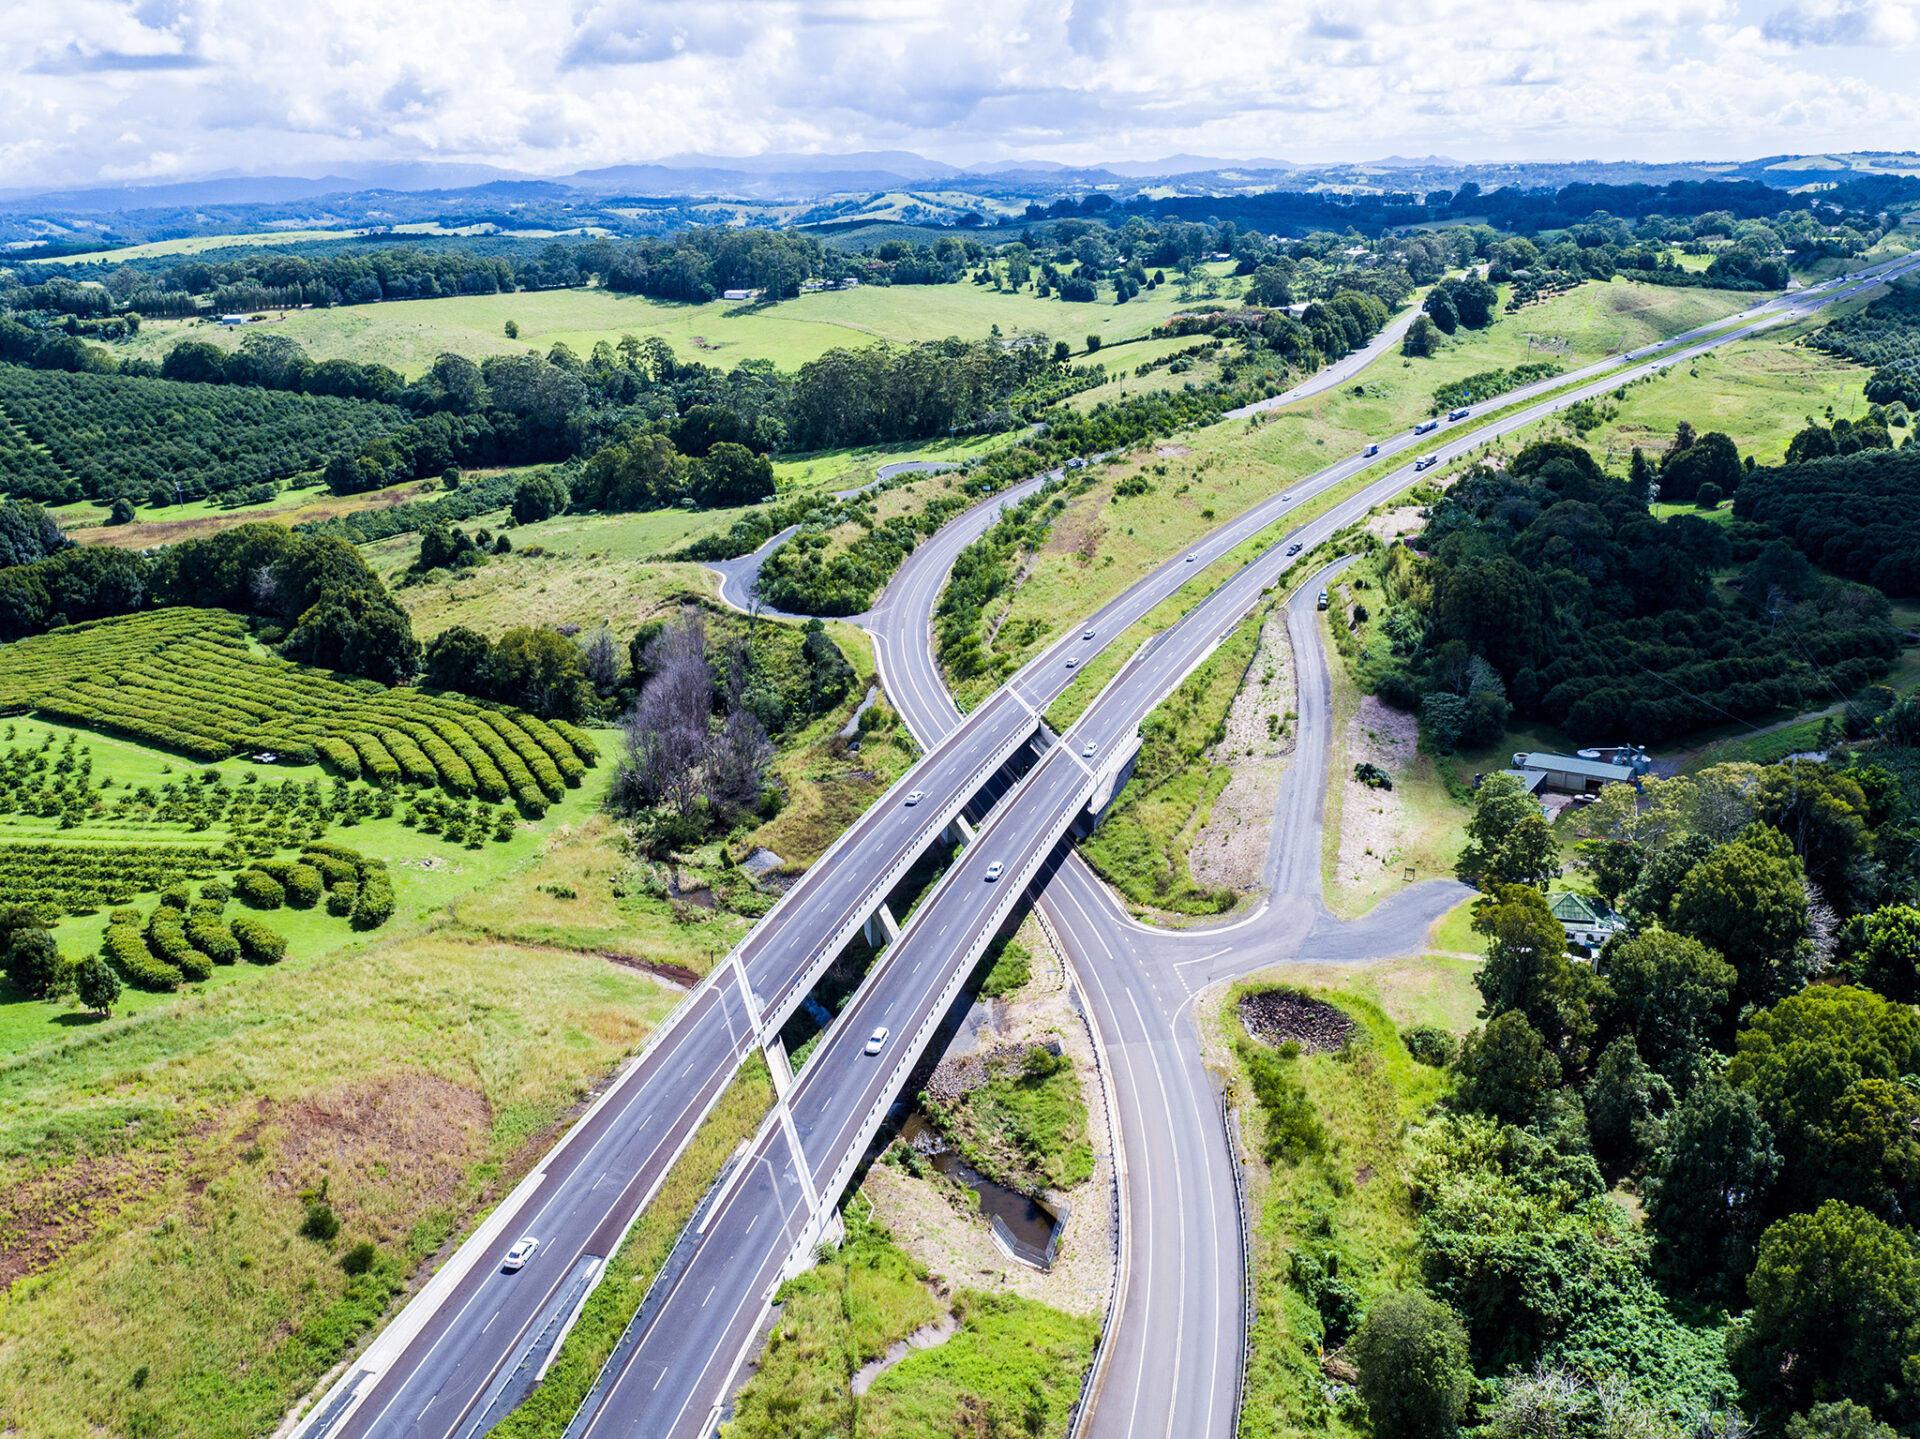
[(877, 1039), (1072, 660), (1192, 558), (520, 1253), (915, 797), (995, 870), (1088, 751), (1087, 636), (1286, 499)]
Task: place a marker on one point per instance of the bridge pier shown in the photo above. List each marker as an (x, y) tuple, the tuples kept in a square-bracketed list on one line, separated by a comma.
[(880, 928)]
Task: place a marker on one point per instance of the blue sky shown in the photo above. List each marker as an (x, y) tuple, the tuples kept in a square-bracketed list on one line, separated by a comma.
[(104, 90)]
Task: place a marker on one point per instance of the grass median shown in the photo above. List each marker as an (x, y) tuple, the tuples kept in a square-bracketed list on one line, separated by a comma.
[(634, 1266)]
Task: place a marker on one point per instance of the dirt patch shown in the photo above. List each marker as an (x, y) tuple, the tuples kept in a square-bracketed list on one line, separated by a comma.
[(1286, 1016), (420, 1125), (1231, 849), (1172, 452), (1395, 523), (1373, 822), (1078, 532), (44, 1215)]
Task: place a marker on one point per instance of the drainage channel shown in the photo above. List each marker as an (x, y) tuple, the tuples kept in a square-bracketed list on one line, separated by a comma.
[(1021, 1223)]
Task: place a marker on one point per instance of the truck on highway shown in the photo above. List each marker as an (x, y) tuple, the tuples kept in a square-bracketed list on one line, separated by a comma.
[(1370, 451), (1459, 414), (1426, 427), (1425, 462)]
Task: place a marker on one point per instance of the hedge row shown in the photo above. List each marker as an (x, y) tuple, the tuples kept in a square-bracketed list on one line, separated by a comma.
[(579, 739), (83, 878), (212, 938), (456, 775), (375, 763), (488, 782), (167, 939), (339, 756), (257, 942), (373, 906), (532, 753), (358, 886), (413, 761), (186, 680), (259, 889), (571, 768), (125, 948), (527, 791)]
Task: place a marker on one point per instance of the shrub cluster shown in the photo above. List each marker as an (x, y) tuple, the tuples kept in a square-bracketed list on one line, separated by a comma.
[(257, 942)]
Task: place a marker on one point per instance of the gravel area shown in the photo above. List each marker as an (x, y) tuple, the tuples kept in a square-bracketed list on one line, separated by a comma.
[(1373, 822), (1231, 851), (957, 1249), (1391, 525), (1285, 1016)]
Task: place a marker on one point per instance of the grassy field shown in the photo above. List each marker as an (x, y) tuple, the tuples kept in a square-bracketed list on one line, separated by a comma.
[(1141, 846), (1759, 392), (191, 245), (87, 521), (1012, 1366), (1343, 1214), (155, 1163), (572, 569), (848, 469), (1417, 825), (408, 334)]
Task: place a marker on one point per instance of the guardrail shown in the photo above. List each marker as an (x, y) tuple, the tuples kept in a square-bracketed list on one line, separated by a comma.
[(962, 963), (1117, 1175), (1229, 1120), (781, 1006)]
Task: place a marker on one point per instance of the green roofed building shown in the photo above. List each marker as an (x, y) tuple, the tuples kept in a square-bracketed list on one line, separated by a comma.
[(1586, 918)]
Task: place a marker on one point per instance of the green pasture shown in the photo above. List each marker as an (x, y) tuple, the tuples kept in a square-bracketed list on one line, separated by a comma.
[(1760, 392), (408, 334), (190, 245)]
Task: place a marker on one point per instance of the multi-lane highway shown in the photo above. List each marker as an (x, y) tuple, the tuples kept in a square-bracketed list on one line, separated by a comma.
[(452, 1355), (676, 1377)]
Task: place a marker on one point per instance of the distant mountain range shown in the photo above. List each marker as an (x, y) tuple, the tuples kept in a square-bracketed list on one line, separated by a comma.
[(838, 190), (792, 177)]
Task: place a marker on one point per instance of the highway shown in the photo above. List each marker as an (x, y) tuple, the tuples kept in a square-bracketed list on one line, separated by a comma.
[(439, 1368), (677, 1376)]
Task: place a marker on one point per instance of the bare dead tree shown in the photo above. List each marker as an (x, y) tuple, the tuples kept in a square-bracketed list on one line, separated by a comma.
[(603, 661), (668, 727)]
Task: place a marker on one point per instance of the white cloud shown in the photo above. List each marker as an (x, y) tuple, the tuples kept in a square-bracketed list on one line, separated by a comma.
[(1842, 22), (164, 87)]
